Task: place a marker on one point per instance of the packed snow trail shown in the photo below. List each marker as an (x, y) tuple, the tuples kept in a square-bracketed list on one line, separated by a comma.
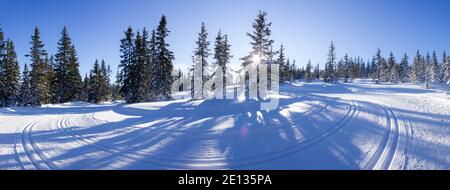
[(357, 125)]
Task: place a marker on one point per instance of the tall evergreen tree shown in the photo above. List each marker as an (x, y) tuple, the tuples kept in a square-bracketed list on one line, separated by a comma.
[(25, 94), (11, 75), (201, 54), (67, 75), (85, 89), (98, 90), (329, 73), (164, 56), (445, 68), (127, 50), (222, 55), (154, 67), (417, 70), (404, 69), (2, 67), (378, 66), (308, 73), (346, 64), (261, 51), (282, 67), (433, 69), (40, 82), (392, 69)]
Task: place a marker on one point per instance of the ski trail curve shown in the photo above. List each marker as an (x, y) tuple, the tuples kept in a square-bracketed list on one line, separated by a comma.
[(30, 157)]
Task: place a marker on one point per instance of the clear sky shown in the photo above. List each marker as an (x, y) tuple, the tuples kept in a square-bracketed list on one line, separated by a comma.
[(305, 27)]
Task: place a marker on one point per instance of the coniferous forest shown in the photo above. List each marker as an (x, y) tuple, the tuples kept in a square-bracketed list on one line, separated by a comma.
[(146, 70)]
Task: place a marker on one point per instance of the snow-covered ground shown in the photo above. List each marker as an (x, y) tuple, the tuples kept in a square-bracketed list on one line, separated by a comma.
[(357, 125)]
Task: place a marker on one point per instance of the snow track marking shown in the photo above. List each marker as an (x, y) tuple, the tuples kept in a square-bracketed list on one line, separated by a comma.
[(217, 162), (34, 158), (388, 148)]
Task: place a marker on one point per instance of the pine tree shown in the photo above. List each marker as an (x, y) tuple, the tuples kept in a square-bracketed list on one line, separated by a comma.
[(25, 94), (329, 73), (40, 82), (67, 75), (11, 73), (404, 69), (138, 71), (164, 56), (201, 54)]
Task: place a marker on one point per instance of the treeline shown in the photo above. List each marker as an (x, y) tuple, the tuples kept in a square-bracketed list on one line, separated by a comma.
[(146, 70)]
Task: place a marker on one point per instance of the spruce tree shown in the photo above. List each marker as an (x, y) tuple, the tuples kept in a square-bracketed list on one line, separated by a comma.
[(127, 59), (378, 66), (164, 57), (445, 68), (2, 68), (417, 69), (85, 89), (222, 55), (329, 73), (308, 73), (25, 94), (67, 76), (346, 63), (391, 70), (281, 61), (433, 71), (201, 54), (11, 75), (40, 82), (404, 69), (317, 72), (261, 51), (98, 90)]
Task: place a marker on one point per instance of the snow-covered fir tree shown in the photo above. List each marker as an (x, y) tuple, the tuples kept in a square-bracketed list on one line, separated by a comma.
[(316, 73), (433, 69), (392, 69), (68, 82), (201, 54), (417, 73), (282, 66), (222, 55), (329, 73), (40, 81), (2, 65), (261, 50), (308, 72), (403, 69), (346, 65), (445, 68)]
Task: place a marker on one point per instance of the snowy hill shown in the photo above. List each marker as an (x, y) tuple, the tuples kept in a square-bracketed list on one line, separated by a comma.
[(357, 125)]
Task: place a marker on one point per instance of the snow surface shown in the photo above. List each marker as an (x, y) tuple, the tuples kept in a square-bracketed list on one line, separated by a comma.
[(358, 125)]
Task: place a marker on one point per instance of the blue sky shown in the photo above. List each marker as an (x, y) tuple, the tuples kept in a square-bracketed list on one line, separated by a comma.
[(305, 27)]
